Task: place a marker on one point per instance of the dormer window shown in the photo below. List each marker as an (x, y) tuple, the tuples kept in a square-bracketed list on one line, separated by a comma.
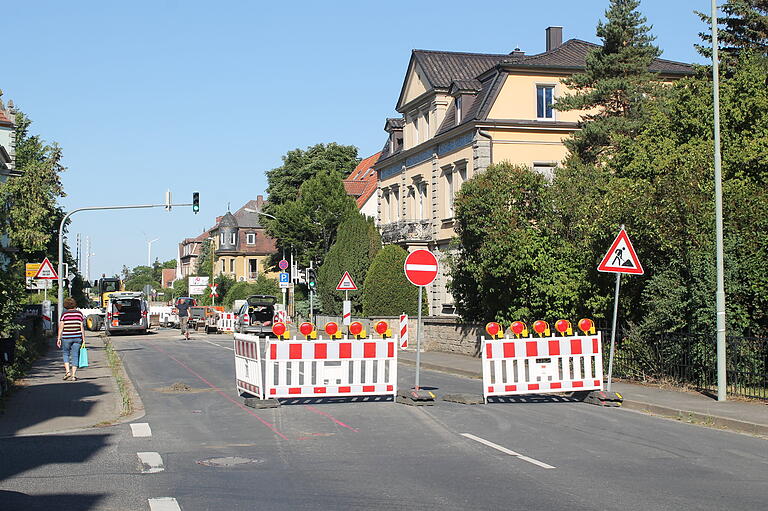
[(251, 238), (458, 109), (544, 101)]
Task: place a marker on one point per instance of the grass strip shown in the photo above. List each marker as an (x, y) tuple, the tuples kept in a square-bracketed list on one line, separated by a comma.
[(117, 371)]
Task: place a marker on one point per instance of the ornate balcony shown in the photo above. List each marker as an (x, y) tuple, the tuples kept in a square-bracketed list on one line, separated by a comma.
[(407, 230)]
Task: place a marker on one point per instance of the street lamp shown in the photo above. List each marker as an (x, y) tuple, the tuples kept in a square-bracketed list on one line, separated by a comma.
[(149, 251)]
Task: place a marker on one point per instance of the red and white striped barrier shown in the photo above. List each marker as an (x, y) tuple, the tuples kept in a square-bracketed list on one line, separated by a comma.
[(541, 366), (330, 368), (403, 331), (248, 375), (225, 322)]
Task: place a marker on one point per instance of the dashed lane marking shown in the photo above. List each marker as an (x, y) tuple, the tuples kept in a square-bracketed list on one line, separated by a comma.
[(141, 429), (506, 451), (164, 504), (218, 345), (151, 462)]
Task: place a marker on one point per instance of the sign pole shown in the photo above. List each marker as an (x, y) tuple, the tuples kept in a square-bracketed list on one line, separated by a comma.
[(418, 340), (613, 329)]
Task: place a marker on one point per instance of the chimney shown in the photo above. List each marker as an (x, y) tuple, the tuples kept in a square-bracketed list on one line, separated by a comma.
[(554, 37)]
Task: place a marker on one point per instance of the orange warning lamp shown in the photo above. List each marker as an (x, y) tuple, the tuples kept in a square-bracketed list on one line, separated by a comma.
[(382, 328), (332, 329), (587, 326), (308, 330), (541, 327), (519, 329), (564, 327), (280, 330), (356, 329), (494, 330)]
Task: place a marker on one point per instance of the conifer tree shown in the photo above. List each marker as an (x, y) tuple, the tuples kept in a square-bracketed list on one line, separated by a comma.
[(616, 83), (743, 26)]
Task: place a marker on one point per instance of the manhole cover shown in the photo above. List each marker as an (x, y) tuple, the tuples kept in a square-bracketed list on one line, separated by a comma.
[(229, 461)]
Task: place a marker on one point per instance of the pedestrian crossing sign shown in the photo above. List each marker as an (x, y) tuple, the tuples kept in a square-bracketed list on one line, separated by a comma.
[(621, 257)]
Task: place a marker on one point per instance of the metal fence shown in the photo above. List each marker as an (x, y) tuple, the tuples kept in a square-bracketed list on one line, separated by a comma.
[(691, 359)]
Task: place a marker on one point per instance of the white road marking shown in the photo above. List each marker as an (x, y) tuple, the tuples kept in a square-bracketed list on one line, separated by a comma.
[(152, 462), (421, 267), (141, 429), (506, 451), (218, 345), (164, 504)]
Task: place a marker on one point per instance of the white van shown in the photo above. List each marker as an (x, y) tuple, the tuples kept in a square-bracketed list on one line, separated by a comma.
[(127, 312)]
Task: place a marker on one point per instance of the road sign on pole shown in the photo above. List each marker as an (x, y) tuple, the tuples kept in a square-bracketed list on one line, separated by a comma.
[(214, 289), (46, 271), (285, 279), (283, 264), (421, 267), (32, 269), (621, 257), (346, 283)]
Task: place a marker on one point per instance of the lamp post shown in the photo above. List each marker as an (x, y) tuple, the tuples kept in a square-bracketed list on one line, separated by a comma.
[(149, 251)]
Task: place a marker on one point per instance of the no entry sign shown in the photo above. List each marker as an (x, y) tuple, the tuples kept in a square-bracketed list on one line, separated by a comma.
[(421, 267)]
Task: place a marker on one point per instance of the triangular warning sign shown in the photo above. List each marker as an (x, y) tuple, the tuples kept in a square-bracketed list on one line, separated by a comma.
[(346, 283), (46, 271), (621, 257)]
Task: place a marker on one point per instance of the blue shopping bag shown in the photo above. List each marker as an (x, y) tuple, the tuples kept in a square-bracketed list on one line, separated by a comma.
[(83, 360)]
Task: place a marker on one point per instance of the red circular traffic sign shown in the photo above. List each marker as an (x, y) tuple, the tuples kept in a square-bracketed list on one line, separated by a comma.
[(283, 264), (421, 267)]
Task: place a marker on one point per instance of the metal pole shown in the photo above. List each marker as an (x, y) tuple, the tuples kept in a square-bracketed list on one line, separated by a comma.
[(613, 328), (720, 295), (418, 340)]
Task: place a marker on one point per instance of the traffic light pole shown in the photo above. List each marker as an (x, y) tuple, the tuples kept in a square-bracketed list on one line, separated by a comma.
[(60, 291)]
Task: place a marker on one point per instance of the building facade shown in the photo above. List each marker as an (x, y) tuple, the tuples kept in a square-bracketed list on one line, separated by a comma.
[(241, 245), (7, 164), (361, 185), (189, 254), (462, 112)]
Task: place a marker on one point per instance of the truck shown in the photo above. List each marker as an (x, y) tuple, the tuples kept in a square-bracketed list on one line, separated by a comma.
[(106, 286)]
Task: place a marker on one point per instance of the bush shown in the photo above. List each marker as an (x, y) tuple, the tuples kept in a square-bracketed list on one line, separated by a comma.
[(386, 291)]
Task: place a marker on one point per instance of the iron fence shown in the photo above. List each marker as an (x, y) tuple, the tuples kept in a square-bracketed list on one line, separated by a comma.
[(691, 359)]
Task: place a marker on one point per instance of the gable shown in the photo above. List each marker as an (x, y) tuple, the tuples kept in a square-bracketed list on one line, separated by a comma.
[(415, 84)]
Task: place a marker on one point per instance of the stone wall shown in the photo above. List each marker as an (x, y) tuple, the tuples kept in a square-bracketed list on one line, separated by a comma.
[(440, 333)]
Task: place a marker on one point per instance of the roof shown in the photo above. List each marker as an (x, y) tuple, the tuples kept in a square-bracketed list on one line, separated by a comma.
[(6, 116), (362, 182), (228, 220), (443, 68)]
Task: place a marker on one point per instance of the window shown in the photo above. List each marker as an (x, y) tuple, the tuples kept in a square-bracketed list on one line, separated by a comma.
[(544, 99), (253, 268), (395, 204), (425, 126), (251, 238), (232, 265), (462, 175), (223, 265), (221, 242), (422, 191), (415, 130), (233, 238), (449, 193), (458, 109), (545, 168)]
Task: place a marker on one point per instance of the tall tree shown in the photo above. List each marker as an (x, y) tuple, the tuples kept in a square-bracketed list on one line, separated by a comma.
[(386, 291), (616, 84), (744, 26), (301, 165), (357, 243), (310, 221)]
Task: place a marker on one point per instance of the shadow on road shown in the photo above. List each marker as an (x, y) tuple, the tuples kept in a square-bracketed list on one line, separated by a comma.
[(71, 502)]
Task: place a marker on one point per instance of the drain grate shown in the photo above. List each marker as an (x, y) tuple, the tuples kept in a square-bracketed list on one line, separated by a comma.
[(229, 461)]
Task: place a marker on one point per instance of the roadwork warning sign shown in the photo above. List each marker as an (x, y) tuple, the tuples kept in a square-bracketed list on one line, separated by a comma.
[(621, 257)]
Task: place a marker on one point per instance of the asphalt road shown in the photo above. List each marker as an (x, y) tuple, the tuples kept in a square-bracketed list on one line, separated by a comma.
[(209, 452)]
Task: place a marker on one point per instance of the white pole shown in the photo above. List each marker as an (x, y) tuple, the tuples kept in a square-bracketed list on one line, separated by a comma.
[(149, 251), (418, 340), (720, 294), (613, 328)]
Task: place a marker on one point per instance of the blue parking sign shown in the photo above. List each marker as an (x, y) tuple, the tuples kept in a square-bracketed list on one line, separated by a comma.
[(285, 279)]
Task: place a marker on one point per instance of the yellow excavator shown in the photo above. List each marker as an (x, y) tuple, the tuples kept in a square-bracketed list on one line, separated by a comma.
[(105, 286)]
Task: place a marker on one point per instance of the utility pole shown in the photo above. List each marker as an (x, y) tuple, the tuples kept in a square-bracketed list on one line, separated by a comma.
[(720, 294)]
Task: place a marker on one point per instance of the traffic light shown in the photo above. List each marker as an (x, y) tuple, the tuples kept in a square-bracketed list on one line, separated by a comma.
[(195, 202), (311, 279)]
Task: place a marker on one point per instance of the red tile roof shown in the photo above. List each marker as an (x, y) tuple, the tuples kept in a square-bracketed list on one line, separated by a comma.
[(361, 183)]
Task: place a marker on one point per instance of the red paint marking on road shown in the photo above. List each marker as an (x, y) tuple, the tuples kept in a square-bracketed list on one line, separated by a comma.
[(334, 419), (221, 393)]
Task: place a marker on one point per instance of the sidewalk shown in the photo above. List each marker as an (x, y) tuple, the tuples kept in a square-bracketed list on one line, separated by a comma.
[(43, 403), (737, 415)]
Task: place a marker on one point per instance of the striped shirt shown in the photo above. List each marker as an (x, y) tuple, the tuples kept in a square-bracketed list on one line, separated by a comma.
[(71, 321)]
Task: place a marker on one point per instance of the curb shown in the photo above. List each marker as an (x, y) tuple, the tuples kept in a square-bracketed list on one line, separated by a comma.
[(698, 418)]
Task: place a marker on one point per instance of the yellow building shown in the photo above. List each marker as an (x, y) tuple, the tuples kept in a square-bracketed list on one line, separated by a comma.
[(241, 245), (460, 113)]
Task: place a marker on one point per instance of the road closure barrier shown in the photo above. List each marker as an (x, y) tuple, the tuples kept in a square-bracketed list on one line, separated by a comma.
[(225, 322), (248, 373), (330, 368), (548, 364)]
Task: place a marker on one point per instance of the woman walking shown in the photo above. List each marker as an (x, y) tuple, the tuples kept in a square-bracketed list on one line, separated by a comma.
[(71, 335)]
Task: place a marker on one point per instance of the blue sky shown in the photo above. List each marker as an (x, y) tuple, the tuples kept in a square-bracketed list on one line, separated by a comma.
[(189, 95)]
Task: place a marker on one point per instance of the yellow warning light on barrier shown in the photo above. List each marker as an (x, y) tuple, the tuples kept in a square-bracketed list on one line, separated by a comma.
[(280, 330), (519, 329), (308, 330), (382, 328), (494, 330), (332, 329), (564, 327), (541, 327), (587, 326), (356, 329)]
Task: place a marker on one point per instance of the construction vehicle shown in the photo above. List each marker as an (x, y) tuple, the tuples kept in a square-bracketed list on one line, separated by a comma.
[(105, 287)]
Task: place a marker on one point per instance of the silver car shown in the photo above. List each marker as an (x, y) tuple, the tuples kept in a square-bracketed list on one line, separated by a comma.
[(256, 315)]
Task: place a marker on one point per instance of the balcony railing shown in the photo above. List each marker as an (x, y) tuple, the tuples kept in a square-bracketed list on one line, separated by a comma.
[(407, 230)]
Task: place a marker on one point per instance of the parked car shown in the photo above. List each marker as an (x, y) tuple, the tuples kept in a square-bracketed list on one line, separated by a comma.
[(127, 312), (256, 315), (196, 317)]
